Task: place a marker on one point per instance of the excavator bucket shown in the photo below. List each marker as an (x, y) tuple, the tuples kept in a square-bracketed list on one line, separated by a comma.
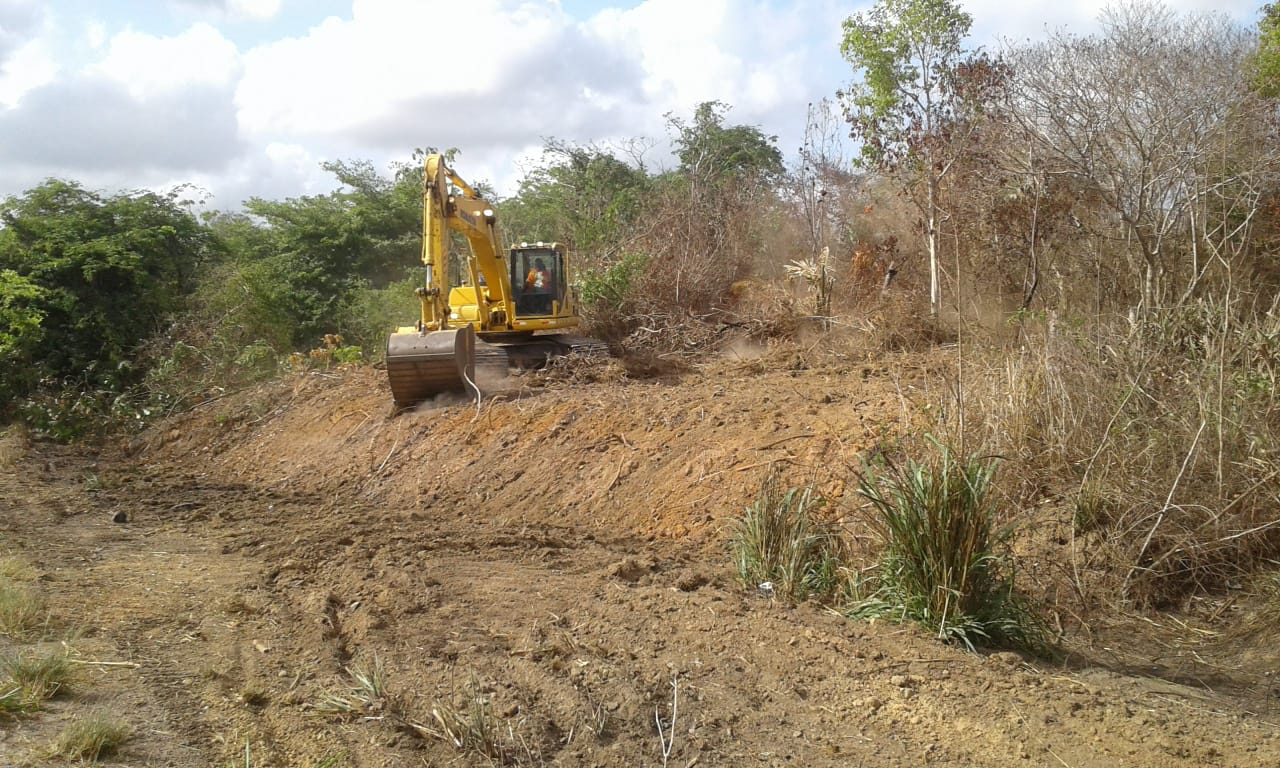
[(422, 365)]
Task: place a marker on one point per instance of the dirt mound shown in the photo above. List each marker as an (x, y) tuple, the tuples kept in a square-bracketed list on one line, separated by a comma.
[(541, 580), (635, 458)]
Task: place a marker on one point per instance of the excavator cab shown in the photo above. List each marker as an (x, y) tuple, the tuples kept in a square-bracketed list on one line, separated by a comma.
[(538, 280)]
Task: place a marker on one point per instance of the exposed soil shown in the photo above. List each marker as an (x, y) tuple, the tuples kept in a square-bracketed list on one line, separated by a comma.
[(558, 554)]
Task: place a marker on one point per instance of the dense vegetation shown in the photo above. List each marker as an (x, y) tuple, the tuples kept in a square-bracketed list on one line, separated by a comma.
[(1100, 211)]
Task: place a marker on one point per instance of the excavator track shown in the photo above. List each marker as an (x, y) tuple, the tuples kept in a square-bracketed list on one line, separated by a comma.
[(535, 351), (581, 345)]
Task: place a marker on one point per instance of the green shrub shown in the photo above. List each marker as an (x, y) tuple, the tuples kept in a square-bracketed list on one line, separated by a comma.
[(778, 542), (608, 294), (369, 315), (941, 566), (611, 287)]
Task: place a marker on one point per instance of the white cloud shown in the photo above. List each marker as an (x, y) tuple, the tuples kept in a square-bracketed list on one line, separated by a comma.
[(148, 65), (90, 124), (397, 73), (95, 35), (237, 10), (20, 21), (26, 58), (254, 9), (25, 69), (494, 77), (130, 99), (272, 172)]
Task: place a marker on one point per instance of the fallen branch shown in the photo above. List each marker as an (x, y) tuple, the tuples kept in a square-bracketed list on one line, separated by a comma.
[(781, 440), (131, 664), (668, 741)]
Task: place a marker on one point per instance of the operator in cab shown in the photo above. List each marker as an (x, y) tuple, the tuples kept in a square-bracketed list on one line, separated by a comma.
[(540, 284), (539, 278)]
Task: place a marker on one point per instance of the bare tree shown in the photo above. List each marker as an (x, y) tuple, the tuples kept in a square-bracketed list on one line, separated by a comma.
[(1154, 119)]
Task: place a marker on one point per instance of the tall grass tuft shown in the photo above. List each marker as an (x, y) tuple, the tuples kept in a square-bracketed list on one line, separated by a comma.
[(23, 615), (941, 566), (37, 677), (368, 695), (92, 737), (471, 726), (778, 542)]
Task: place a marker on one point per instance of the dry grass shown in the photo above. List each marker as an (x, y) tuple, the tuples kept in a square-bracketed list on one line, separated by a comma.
[(23, 614), (470, 726), (13, 444), (1161, 435), (1261, 620), (39, 677), (465, 721), (16, 568), (369, 695), (91, 738)]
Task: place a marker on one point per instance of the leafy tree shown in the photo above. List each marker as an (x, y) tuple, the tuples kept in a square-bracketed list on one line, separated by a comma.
[(99, 274), (911, 110), (582, 195), (709, 150), (21, 331), (1266, 77), (304, 267)]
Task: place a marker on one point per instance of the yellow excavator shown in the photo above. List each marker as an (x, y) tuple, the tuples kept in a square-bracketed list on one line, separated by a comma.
[(497, 308)]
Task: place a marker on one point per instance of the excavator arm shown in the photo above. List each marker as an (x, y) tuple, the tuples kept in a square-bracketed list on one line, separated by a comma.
[(466, 212)]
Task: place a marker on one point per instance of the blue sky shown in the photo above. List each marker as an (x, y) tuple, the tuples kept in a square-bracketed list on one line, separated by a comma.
[(247, 97)]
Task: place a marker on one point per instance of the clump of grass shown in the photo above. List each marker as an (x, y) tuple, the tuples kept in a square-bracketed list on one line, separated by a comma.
[(369, 694), (941, 566), (37, 677), (23, 615), (467, 721), (778, 542), (15, 568), (92, 738), (470, 725), (370, 699), (13, 702)]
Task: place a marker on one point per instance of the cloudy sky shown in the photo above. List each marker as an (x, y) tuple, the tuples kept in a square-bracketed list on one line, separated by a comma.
[(247, 97)]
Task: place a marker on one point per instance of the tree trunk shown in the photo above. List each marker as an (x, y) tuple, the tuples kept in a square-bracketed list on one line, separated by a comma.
[(931, 222)]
